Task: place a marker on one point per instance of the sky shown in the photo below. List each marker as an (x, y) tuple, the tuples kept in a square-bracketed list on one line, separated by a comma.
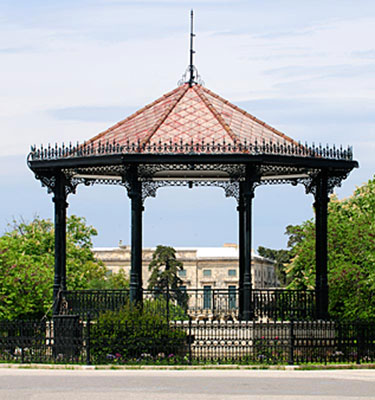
[(70, 69)]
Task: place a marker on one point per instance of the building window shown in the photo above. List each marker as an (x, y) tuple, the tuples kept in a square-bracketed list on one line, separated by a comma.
[(182, 273), (206, 272), (182, 297), (232, 272), (207, 296), (231, 297)]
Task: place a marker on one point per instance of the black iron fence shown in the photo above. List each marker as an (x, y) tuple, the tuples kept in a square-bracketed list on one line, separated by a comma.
[(69, 339), (199, 304)]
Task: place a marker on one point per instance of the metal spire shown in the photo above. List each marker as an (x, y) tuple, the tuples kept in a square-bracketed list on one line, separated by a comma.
[(191, 75), (191, 66)]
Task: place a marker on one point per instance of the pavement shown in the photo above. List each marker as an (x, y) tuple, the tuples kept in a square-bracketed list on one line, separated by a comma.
[(215, 384)]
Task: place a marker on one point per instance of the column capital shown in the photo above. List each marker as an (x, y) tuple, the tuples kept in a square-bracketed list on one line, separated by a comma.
[(247, 191), (252, 180), (133, 185), (321, 189)]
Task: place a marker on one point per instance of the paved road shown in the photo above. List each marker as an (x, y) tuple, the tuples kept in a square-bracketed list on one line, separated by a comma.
[(24, 384)]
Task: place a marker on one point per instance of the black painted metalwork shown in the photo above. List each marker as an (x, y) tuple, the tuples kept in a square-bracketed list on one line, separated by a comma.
[(91, 342), (95, 302), (82, 150), (191, 66), (321, 252), (241, 255), (60, 203), (150, 187), (222, 304), (247, 194), (191, 75), (135, 194), (237, 168)]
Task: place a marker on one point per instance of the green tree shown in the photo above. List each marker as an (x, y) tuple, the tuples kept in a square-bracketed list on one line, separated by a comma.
[(351, 250), (118, 280), (281, 258), (164, 268), (27, 265)]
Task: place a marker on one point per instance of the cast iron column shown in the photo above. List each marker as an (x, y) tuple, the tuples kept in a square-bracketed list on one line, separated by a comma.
[(247, 197), (135, 194), (321, 254), (240, 210), (61, 205)]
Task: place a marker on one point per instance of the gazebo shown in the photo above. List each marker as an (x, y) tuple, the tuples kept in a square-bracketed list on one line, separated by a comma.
[(193, 137)]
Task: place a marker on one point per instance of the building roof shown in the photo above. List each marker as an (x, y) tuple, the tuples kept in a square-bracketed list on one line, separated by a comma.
[(190, 114), (231, 252)]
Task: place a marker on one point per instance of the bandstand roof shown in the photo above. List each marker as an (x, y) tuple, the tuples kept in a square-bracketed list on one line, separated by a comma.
[(190, 136), (190, 115)]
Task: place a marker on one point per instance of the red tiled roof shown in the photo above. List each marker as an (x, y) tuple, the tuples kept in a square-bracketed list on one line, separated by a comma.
[(190, 115)]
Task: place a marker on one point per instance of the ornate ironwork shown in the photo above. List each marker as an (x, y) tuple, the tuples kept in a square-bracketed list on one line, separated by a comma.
[(333, 181), (47, 181), (69, 339), (191, 71), (233, 171), (307, 178), (270, 304), (336, 181), (149, 188), (188, 72), (254, 148)]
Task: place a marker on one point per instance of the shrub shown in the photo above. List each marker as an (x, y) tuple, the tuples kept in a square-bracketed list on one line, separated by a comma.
[(133, 334)]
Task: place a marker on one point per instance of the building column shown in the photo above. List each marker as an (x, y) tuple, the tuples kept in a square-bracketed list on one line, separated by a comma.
[(247, 194), (135, 194), (321, 252), (61, 205)]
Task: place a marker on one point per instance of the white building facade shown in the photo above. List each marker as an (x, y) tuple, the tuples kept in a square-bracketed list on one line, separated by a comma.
[(204, 267)]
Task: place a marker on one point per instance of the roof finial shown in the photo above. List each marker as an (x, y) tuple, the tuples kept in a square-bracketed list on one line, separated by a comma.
[(191, 66), (191, 75)]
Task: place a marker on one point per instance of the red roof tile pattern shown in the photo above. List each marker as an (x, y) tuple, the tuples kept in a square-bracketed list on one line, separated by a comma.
[(190, 115)]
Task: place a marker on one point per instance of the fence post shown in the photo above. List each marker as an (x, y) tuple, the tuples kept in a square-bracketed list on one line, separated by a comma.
[(291, 342), (22, 333), (168, 302), (88, 325), (189, 340), (213, 303), (359, 332)]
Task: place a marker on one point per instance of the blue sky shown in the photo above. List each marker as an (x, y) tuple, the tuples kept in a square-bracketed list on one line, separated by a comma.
[(70, 69)]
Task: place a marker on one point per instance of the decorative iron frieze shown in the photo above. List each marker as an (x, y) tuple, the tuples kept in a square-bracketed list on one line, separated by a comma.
[(333, 181), (233, 171), (336, 181), (149, 188), (154, 176), (47, 181)]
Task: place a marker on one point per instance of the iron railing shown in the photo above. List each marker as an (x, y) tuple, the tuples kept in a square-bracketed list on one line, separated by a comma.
[(73, 340), (200, 304), (253, 148)]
